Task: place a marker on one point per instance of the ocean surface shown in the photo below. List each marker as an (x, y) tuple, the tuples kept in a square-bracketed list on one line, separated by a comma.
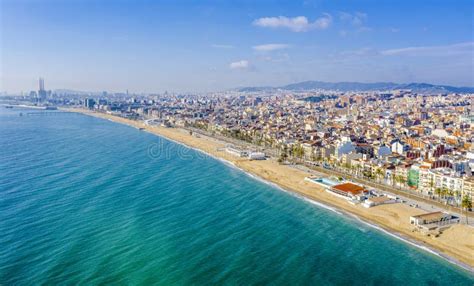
[(88, 201)]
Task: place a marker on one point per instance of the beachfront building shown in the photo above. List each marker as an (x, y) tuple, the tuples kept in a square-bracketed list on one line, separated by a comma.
[(348, 191), (347, 159), (425, 179), (376, 201), (256, 156), (468, 188), (236, 152), (433, 221), (446, 179)]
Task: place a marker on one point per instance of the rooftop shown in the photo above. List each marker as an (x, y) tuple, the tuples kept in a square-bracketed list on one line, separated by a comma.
[(431, 216), (349, 188), (379, 199)]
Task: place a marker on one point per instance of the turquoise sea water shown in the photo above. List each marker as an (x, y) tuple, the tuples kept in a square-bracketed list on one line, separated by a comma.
[(89, 201)]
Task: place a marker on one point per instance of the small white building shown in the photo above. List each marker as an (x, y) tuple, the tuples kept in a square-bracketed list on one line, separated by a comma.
[(236, 152), (399, 147), (433, 221), (257, 156), (376, 201)]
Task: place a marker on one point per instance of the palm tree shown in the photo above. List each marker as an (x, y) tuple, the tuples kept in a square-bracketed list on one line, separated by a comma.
[(357, 170), (438, 192), (283, 155), (393, 177), (444, 193), (353, 170), (298, 151), (431, 184), (450, 194), (402, 180), (346, 167), (466, 204), (396, 179), (457, 196), (379, 173)]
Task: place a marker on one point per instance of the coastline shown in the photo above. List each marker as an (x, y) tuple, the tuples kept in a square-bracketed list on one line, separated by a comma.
[(455, 245)]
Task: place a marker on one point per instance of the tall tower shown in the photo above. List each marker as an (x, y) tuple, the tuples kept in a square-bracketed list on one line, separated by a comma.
[(41, 91), (41, 84)]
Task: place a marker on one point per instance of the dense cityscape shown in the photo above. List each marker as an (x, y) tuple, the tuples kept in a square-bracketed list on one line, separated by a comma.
[(211, 142), (418, 142)]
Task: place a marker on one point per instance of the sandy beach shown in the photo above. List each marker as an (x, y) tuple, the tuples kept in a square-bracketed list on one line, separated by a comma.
[(455, 244)]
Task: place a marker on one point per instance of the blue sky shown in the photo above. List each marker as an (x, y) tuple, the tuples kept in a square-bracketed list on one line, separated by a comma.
[(153, 46)]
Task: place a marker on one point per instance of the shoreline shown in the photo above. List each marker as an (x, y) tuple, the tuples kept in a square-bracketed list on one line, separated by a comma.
[(346, 215), (421, 243)]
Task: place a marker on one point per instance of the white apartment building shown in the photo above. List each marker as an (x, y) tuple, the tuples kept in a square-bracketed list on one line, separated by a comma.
[(446, 178)]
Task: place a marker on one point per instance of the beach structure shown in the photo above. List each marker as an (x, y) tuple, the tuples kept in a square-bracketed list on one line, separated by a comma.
[(433, 221), (153, 122), (381, 200), (349, 191), (257, 156), (235, 151)]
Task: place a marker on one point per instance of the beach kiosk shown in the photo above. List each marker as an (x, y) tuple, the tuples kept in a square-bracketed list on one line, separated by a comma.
[(433, 221)]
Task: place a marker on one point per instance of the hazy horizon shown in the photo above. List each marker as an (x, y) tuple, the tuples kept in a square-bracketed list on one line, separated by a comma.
[(214, 46), (221, 90)]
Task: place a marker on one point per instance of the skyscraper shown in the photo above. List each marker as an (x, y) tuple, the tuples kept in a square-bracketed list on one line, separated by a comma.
[(89, 103), (41, 91), (41, 83)]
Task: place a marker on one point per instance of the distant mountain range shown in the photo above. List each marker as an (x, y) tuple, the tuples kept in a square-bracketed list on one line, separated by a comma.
[(78, 92), (359, 86)]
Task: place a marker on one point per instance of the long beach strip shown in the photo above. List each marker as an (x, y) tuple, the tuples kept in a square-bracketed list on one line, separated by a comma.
[(456, 244)]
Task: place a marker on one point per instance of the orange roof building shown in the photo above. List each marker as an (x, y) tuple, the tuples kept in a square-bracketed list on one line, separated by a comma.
[(348, 190)]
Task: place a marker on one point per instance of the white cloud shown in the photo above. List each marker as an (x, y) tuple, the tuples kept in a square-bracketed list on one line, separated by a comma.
[(270, 47), (220, 46), (296, 24), (355, 23), (447, 50), (356, 19), (363, 52), (239, 65), (460, 50), (323, 22)]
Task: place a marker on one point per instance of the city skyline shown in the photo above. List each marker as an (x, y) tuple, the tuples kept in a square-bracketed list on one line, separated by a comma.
[(210, 46), (211, 142)]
